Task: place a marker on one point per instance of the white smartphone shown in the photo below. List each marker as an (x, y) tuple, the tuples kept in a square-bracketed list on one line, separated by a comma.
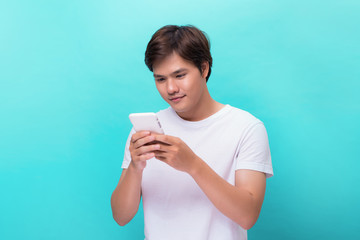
[(146, 121)]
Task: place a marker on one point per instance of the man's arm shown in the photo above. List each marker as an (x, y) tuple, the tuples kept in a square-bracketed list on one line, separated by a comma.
[(241, 203), (126, 197)]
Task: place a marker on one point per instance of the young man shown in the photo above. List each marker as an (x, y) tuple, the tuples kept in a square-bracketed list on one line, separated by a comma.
[(205, 177)]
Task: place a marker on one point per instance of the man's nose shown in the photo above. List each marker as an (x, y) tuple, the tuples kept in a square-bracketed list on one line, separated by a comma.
[(172, 86)]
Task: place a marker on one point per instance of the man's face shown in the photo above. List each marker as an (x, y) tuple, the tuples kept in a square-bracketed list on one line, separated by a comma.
[(180, 84)]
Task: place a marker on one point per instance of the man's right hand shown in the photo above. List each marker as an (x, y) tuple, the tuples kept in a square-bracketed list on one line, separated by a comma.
[(141, 150)]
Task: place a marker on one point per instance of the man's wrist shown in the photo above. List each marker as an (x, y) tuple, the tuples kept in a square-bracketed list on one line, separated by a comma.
[(197, 167), (133, 168)]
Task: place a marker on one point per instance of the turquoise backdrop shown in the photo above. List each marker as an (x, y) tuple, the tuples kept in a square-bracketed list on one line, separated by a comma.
[(71, 72)]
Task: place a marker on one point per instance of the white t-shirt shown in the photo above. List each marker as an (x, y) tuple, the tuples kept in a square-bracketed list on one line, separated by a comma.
[(174, 205)]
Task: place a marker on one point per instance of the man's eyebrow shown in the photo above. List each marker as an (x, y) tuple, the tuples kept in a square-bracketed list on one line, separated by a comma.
[(174, 73), (179, 70), (158, 75)]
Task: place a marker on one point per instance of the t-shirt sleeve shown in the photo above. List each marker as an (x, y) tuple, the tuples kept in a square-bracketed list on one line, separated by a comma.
[(127, 156), (254, 151)]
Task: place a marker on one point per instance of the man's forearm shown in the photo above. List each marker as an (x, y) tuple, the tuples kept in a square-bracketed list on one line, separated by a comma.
[(234, 202), (125, 199)]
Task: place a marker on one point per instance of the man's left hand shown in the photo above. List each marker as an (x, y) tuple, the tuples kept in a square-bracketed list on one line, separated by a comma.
[(175, 153)]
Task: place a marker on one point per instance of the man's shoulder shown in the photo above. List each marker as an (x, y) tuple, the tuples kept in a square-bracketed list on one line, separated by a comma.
[(243, 115)]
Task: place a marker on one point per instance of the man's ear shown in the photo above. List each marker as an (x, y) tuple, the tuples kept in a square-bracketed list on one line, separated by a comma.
[(205, 69)]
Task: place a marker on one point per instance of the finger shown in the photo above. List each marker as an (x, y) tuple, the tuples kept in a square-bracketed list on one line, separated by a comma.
[(163, 159), (166, 139), (144, 141), (138, 135), (155, 133), (160, 155), (147, 149), (147, 156), (164, 148)]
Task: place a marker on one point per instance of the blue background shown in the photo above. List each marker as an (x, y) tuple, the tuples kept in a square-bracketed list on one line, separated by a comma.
[(72, 71)]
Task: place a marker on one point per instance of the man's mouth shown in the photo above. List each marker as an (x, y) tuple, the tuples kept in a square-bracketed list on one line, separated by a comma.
[(177, 98)]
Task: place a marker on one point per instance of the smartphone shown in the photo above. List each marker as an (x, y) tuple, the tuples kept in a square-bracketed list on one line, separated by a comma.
[(146, 121)]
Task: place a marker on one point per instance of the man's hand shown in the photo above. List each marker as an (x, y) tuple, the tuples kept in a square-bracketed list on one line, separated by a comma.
[(141, 150), (175, 152)]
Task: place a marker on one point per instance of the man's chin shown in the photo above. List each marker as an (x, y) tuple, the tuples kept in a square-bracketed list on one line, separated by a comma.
[(177, 108)]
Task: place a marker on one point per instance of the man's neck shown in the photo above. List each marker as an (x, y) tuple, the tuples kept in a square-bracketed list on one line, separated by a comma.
[(206, 107)]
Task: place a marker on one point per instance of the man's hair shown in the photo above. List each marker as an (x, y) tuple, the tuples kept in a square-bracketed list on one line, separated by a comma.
[(188, 41)]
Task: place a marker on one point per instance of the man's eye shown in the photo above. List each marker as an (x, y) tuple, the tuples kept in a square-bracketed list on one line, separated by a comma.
[(180, 75), (160, 79)]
